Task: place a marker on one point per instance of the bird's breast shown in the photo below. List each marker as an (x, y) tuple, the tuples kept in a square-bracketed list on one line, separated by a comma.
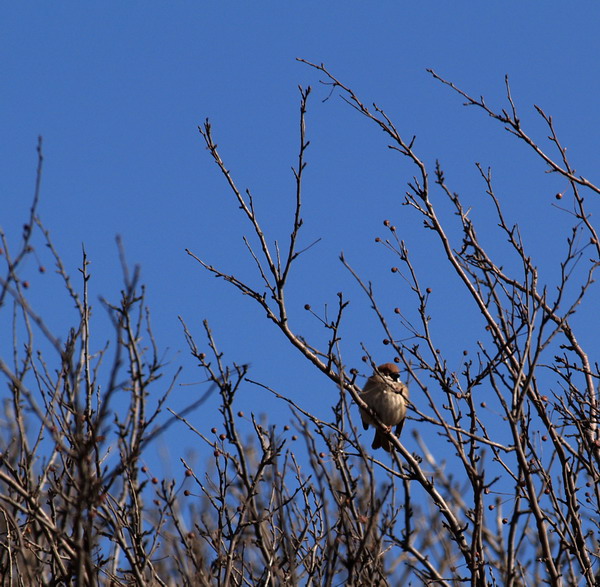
[(389, 406)]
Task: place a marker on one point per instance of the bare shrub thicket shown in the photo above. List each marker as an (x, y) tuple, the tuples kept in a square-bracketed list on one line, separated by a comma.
[(512, 499)]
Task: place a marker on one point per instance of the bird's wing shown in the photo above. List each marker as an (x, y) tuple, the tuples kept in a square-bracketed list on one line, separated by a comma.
[(399, 427), (365, 394)]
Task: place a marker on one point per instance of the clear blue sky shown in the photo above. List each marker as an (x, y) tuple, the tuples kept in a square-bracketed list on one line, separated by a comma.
[(117, 90)]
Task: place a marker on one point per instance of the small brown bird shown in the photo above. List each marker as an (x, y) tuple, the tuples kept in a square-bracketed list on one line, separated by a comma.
[(386, 395)]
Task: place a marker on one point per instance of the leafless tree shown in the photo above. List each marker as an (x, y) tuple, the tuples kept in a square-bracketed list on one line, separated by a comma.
[(511, 499)]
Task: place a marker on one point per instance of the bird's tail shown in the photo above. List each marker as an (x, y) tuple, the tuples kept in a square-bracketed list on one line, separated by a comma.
[(382, 440)]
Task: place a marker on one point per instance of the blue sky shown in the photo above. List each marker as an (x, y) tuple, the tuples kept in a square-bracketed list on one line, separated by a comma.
[(117, 90)]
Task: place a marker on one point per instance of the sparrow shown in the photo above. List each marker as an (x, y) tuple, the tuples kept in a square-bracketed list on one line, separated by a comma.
[(386, 395)]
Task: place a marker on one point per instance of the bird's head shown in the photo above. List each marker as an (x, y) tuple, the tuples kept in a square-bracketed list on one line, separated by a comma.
[(388, 371)]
